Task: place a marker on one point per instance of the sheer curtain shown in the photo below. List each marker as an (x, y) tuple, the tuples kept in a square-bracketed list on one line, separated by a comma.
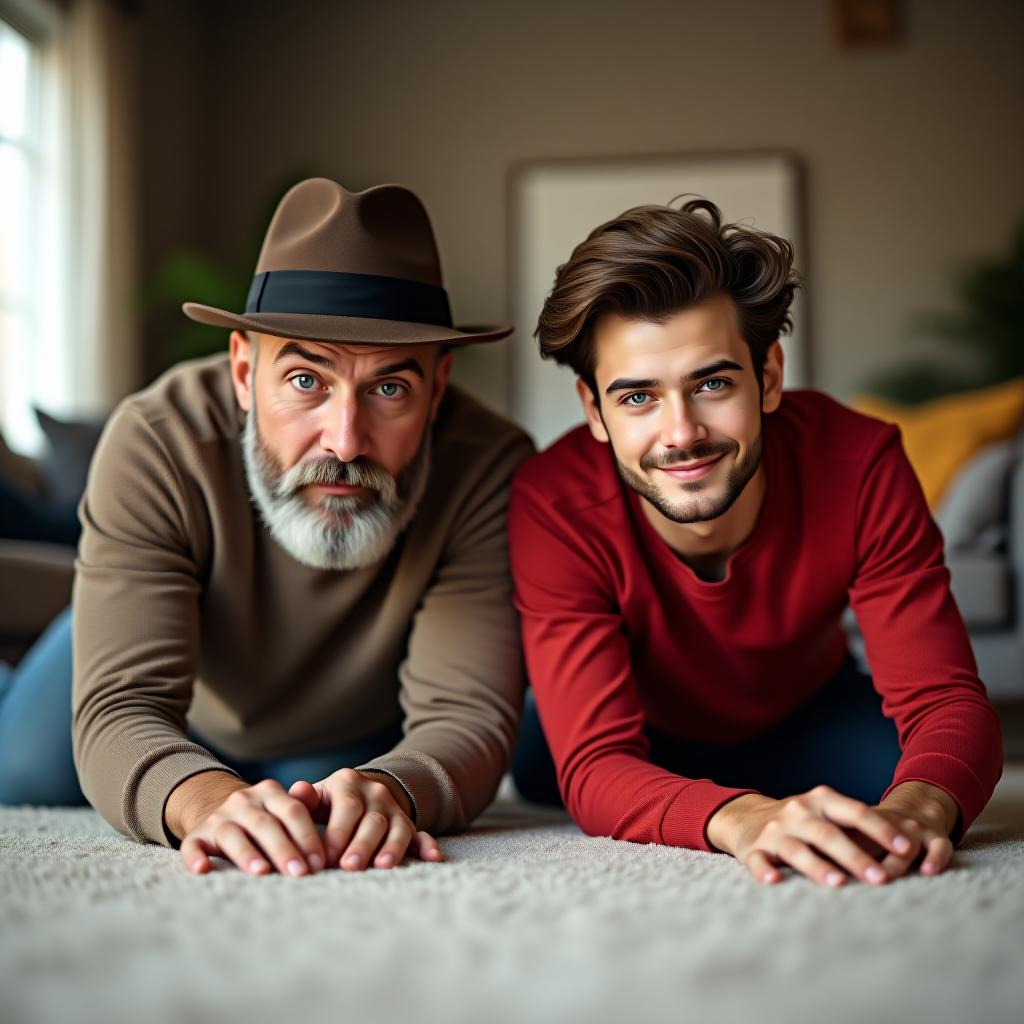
[(99, 58), (68, 315)]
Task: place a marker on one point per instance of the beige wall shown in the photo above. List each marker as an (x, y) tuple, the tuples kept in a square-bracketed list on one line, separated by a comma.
[(914, 157)]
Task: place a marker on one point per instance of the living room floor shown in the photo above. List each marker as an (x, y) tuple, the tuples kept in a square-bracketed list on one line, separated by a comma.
[(528, 920)]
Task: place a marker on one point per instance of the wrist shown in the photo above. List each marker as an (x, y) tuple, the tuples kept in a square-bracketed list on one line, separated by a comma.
[(924, 799), (726, 828), (396, 789), (199, 795)]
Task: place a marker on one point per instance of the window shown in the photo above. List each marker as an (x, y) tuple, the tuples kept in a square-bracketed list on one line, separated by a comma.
[(34, 369)]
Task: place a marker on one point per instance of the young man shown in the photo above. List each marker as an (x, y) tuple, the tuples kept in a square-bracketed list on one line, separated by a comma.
[(292, 556), (681, 565)]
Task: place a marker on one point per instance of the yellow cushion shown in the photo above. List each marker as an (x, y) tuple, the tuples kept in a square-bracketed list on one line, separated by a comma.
[(939, 437)]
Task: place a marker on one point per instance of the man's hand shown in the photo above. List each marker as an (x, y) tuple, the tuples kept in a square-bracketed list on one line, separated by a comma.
[(261, 828), (934, 812), (258, 827), (819, 833), (365, 822)]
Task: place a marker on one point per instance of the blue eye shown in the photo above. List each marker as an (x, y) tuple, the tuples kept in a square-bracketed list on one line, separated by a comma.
[(720, 381), (636, 405), (304, 381), (390, 389)]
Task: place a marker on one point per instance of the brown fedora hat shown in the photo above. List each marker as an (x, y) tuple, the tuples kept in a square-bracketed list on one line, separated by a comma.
[(356, 267)]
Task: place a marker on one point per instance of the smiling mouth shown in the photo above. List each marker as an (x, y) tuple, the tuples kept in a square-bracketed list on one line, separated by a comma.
[(691, 471)]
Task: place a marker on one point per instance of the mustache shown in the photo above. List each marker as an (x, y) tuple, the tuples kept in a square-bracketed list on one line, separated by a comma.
[(670, 458), (359, 472)]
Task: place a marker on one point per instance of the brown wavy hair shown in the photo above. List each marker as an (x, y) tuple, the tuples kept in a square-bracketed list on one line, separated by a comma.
[(653, 261)]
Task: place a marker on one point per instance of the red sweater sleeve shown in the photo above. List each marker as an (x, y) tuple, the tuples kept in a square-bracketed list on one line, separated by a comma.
[(917, 646), (578, 659)]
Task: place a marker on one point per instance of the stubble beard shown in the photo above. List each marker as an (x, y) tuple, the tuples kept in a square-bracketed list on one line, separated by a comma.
[(699, 506), (340, 531)]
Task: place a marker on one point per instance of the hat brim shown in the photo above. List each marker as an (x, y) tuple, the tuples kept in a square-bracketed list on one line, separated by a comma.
[(352, 330)]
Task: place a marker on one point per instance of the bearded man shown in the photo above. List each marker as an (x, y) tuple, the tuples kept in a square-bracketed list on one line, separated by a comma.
[(292, 602), (682, 563)]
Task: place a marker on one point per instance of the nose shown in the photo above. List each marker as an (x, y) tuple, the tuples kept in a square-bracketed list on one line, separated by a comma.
[(680, 424), (343, 433)]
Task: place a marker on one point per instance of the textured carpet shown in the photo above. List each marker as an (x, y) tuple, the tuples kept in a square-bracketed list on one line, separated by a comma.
[(529, 920)]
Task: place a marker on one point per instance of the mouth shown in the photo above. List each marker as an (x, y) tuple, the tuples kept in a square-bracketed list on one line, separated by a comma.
[(340, 489), (691, 470)]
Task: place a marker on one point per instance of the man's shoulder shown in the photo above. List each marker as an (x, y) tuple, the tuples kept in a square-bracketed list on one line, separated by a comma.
[(575, 473), (820, 428), (193, 402)]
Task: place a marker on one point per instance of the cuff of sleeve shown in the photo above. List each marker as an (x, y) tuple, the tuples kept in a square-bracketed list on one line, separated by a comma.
[(951, 775), (436, 805), (686, 819), (153, 780)]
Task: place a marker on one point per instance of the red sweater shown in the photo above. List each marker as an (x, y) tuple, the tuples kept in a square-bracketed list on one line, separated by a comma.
[(619, 632)]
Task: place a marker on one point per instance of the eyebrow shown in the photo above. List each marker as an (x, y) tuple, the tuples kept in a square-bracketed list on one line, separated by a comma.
[(640, 383), (294, 349)]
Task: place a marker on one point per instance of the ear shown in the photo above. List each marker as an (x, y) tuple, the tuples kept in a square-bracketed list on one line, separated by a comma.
[(441, 371), (241, 369), (592, 411), (773, 378)]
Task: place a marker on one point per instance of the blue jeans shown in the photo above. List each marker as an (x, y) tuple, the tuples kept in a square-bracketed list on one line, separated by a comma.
[(839, 737), (36, 765)]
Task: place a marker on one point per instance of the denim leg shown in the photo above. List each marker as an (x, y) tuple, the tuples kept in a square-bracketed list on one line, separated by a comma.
[(533, 769), (317, 766), (36, 763), (839, 738)]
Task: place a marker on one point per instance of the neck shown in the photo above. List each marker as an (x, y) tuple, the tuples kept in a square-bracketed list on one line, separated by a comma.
[(714, 538)]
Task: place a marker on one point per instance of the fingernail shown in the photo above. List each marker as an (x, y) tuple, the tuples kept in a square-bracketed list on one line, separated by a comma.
[(295, 867), (768, 876), (316, 862), (834, 878), (256, 864), (901, 844), (385, 860), (875, 874), (197, 865), (353, 860)]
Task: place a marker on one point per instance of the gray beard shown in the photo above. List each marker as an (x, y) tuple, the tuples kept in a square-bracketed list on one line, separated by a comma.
[(698, 508), (342, 531)]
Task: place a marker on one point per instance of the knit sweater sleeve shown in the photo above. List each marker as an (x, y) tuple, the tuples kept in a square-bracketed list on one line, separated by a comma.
[(579, 665), (916, 643), (135, 633)]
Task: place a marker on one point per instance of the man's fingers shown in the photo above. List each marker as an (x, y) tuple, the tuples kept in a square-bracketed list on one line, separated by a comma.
[(396, 843), (346, 811), (832, 841), (762, 868), (196, 852), (306, 792), (425, 847), (938, 854), (799, 855), (234, 843), (369, 833), (293, 813), (269, 833), (844, 810)]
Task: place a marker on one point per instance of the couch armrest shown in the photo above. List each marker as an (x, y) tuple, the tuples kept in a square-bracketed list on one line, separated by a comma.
[(37, 582)]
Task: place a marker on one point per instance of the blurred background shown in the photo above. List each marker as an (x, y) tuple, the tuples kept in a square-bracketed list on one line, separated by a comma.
[(145, 143)]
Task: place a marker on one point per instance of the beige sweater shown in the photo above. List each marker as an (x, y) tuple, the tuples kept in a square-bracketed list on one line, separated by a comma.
[(187, 612)]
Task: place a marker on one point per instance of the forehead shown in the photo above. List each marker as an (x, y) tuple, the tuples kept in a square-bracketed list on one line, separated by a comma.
[(347, 359), (685, 340)]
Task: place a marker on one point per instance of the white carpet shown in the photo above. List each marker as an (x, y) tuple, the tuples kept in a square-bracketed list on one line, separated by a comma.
[(528, 921)]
